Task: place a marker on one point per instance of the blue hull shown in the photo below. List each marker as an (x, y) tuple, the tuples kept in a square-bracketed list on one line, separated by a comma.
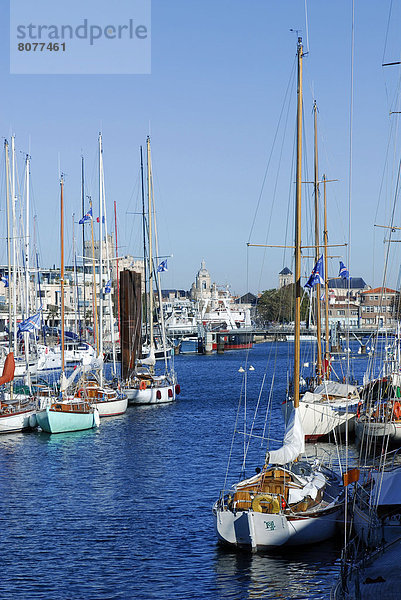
[(54, 421)]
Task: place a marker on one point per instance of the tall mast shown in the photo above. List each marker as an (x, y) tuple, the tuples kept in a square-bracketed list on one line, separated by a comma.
[(317, 256), (10, 282), (108, 277), (8, 246), (27, 241), (298, 231), (14, 239), (326, 282), (62, 269), (150, 193), (100, 246), (95, 335), (144, 242), (77, 307), (27, 169), (83, 243), (117, 271)]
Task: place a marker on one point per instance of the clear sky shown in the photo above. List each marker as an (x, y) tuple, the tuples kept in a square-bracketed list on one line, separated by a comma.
[(212, 104)]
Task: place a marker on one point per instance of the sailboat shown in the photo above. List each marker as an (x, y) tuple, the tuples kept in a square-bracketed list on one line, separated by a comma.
[(143, 385), (290, 501), (66, 413)]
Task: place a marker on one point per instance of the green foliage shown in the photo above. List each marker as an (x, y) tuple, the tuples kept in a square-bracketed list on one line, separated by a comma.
[(278, 305)]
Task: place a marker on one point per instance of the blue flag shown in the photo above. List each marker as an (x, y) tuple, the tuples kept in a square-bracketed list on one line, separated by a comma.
[(30, 324), (317, 275), (87, 217), (4, 279), (163, 266), (344, 273), (107, 288)]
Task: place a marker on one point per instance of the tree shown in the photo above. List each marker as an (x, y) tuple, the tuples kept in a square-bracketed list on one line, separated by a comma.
[(278, 305)]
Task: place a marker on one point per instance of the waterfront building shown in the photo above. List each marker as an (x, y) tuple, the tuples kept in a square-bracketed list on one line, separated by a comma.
[(379, 307), (285, 277)]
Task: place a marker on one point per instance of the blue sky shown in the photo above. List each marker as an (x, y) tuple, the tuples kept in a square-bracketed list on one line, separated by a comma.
[(220, 70)]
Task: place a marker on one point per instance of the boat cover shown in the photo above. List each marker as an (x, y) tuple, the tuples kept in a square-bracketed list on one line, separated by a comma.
[(293, 444), (333, 388), (387, 488)]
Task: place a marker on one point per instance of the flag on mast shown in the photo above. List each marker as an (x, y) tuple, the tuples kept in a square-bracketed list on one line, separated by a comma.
[(87, 217), (317, 275), (163, 266), (344, 273)]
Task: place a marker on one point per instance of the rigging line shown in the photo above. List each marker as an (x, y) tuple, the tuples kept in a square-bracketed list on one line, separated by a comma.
[(387, 30), (275, 188), (271, 152)]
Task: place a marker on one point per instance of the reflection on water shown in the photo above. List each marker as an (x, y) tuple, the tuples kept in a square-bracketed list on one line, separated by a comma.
[(301, 573)]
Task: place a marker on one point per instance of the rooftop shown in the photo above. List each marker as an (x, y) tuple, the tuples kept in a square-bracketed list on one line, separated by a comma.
[(353, 283)]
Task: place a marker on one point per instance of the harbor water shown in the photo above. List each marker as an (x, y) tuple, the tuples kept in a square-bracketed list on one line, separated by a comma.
[(124, 511)]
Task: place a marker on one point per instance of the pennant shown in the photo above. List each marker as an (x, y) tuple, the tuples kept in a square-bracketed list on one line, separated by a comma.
[(350, 476), (4, 279), (98, 219), (163, 266), (344, 273), (30, 324), (87, 217), (317, 275), (107, 288)]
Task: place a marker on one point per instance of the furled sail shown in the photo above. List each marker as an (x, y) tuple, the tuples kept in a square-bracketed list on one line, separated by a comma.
[(8, 369), (149, 360), (293, 444)]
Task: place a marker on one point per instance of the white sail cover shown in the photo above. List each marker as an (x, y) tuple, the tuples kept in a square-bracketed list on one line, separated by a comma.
[(333, 388), (293, 444), (65, 383), (149, 360)]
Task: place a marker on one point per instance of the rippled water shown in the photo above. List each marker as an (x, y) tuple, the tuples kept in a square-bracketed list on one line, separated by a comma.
[(124, 512)]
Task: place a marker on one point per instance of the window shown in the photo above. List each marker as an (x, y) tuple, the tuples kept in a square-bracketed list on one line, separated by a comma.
[(354, 312), (341, 312)]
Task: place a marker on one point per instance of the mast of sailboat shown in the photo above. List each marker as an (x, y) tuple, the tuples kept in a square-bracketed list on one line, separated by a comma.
[(118, 273), (62, 270), (326, 285), (94, 302), (297, 327), (108, 276), (10, 283), (100, 334), (150, 193), (83, 245), (27, 240), (14, 239), (27, 267), (145, 311), (317, 256)]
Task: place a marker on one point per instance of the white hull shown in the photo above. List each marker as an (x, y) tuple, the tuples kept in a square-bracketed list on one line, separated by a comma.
[(50, 358), (110, 408), (321, 419), (150, 395), (18, 421), (20, 367), (377, 431), (262, 531)]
